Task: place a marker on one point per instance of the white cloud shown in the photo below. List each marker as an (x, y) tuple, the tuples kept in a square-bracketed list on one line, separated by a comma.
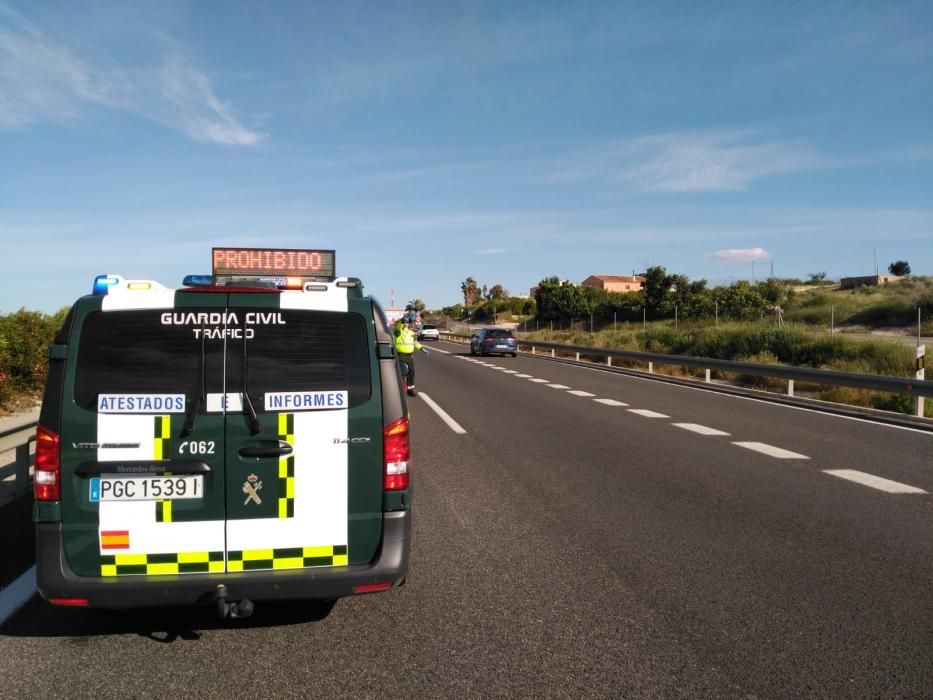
[(41, 80), (692, 162), (740, 255)]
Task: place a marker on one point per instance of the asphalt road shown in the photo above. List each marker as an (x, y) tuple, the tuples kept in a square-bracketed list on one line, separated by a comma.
[(567, 545)]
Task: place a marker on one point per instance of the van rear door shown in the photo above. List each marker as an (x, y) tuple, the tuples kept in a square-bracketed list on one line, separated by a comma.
[(143, 462), (303, 434)]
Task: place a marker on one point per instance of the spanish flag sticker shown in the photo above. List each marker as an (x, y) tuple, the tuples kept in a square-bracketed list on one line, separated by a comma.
[(115, 539)]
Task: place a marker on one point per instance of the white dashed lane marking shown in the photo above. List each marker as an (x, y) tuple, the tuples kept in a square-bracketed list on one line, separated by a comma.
[(610, 402), (875, 482), (644, 412), (443, 352), (770, 450), (701, 429), (869, 480)]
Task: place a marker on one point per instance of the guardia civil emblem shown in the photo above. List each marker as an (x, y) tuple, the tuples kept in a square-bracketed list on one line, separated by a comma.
[(251, 487)]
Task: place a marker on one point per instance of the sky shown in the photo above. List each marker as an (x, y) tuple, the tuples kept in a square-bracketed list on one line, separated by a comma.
[(427, 142)]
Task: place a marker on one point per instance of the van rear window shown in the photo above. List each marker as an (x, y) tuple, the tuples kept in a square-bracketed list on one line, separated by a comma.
[(159, 352)]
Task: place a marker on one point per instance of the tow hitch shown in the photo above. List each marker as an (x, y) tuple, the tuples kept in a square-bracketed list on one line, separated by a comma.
[(240, 608)]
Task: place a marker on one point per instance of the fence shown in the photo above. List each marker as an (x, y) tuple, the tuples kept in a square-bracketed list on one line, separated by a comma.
[(16, 435)]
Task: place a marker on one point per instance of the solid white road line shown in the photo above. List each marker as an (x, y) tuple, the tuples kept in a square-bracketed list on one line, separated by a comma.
[(538, 381), (523, 376), (444, 416), (578, 392), (646, 413), (770, 450), (701, 429), (13, 596), (558, 386), (875, 482), (610, 402)]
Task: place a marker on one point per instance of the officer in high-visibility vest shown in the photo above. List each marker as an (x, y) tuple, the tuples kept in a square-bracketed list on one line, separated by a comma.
[(406, 343)]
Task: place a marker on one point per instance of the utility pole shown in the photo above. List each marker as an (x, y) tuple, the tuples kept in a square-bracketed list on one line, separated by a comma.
[(772, 270)]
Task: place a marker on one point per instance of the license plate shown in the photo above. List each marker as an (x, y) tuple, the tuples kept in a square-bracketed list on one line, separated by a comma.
[(146, 488), (502, 347)]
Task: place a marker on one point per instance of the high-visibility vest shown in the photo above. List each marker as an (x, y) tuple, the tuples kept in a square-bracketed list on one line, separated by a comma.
[(406, 342)]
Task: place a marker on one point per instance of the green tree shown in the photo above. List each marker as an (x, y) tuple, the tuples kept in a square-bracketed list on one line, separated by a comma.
[(497, 291), (740, 301), (657, 285), (899, 268), (455, 312), (416, 304), (816, 278)]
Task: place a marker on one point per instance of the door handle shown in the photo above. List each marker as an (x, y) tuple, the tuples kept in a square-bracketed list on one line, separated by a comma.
[(279, 450)]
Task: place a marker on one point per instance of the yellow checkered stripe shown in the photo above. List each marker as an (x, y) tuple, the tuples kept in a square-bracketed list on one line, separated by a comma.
[(161, 435), (295, 558), (150, 564), (161, 449), (287, 468)]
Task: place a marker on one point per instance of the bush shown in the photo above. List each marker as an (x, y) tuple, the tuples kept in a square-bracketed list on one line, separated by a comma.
[(24, 340)]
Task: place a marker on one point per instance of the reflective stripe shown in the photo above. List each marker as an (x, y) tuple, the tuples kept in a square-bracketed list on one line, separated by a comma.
[(292, 558), (286, 483), (154, 564), (161, 435)]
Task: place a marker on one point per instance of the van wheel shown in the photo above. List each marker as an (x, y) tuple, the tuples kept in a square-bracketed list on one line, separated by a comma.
[(514, 354)]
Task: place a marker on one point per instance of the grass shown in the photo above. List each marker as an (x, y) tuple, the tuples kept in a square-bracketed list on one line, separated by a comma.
[(893, 305), (762, 342)]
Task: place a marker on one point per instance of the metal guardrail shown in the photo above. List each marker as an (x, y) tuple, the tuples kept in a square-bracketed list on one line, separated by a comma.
[(17, 434), (874, 382)]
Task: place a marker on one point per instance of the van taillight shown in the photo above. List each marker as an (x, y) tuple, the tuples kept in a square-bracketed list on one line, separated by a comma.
[(396, 455), (48, 473)]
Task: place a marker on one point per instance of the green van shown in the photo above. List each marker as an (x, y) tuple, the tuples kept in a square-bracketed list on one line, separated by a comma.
[(242, 438)]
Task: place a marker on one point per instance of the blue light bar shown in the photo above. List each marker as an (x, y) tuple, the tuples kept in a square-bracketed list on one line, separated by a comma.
[(103, 283), (198, 281)]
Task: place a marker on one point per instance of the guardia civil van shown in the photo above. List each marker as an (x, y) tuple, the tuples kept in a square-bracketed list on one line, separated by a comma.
[(242, 438)]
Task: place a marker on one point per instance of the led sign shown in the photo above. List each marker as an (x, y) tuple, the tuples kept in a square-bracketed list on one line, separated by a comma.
[(277, 262)]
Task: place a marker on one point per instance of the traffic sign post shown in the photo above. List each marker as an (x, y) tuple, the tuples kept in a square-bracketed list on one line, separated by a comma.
[(921, 357)]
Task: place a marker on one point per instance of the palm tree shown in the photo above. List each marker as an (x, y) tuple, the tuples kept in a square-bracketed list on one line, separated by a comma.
[(470, 290)]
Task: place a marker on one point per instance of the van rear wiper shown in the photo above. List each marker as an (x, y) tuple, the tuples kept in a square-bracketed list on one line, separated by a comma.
[(199, 401), (254, 426)]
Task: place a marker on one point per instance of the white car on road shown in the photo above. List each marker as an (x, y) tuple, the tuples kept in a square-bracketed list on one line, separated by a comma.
[(429, 332)]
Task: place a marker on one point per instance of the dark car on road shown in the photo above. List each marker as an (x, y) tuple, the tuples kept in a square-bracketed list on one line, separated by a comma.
[(493, 341)]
